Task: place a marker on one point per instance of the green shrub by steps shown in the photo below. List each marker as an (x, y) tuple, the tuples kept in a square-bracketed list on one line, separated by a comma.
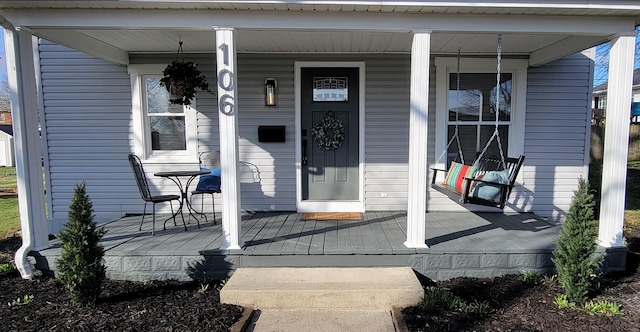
[(81, 266), (574, 257)]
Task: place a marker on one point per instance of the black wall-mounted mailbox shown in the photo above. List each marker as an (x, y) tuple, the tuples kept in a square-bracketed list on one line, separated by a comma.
[(271, 134)]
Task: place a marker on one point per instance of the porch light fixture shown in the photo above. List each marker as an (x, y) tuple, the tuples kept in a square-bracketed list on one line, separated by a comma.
[(270, 91)]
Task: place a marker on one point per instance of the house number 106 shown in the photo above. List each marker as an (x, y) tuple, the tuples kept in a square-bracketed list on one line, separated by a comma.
[(225, 82)]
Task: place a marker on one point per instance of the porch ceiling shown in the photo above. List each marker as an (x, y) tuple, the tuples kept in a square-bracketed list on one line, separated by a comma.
[(543, 31), (307, 41)]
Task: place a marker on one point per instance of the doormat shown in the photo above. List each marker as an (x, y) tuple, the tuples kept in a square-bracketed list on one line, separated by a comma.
[(332, 216)]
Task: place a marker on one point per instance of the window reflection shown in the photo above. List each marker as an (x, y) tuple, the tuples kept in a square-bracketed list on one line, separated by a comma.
[(166, 120)]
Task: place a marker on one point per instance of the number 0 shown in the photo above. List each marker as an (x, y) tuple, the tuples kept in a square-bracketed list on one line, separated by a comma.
[(225, 79)]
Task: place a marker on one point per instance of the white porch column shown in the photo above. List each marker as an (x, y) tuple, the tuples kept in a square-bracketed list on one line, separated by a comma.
[(228, 122), (24, 111), (616, 141), (418, 122)]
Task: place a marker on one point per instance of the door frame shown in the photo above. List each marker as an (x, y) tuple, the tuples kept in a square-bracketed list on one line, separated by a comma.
[(329, 206)]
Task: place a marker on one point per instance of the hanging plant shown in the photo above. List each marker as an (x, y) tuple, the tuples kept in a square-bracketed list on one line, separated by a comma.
[(182, 79)]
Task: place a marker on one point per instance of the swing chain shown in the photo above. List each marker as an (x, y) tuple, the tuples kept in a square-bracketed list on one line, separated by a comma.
[(496, 133), (456, 135)]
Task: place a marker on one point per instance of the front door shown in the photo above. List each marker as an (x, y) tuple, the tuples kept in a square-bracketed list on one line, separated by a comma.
[(329, 115)]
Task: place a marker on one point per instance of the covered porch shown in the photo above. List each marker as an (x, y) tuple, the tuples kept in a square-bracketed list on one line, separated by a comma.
[(460, 244), (290, 33)]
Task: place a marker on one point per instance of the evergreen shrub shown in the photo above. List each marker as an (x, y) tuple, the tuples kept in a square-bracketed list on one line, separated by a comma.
[(574, 256), (81, 267)]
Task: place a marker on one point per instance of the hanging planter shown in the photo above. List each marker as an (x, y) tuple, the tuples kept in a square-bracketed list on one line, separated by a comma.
[(182, 79)]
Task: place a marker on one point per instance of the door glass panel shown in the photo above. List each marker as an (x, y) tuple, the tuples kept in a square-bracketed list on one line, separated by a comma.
[(330, 89)]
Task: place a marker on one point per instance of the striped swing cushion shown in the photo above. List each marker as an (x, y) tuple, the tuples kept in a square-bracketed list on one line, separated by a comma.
[(457, 173)]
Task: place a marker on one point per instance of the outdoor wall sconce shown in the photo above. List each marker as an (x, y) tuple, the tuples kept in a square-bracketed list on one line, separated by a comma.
[(270, 90)]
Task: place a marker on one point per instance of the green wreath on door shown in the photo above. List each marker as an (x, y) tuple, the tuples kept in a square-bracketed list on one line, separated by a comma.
[(328, 125)]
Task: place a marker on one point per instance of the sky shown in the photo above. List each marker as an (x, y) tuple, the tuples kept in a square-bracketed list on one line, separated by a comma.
[(601, 69)]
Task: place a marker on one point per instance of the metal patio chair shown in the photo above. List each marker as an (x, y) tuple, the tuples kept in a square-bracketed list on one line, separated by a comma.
[(145, 193)]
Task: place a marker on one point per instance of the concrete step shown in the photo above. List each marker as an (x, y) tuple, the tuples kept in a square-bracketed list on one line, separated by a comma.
[(367, 288)]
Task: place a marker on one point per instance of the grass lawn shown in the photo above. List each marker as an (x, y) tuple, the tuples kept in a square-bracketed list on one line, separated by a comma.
[(632, 212), (632, 204), (7, 179), (9, 215)]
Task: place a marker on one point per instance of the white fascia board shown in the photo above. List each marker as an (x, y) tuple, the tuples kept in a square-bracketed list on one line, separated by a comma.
[(82, 42), (561, 49), (204, 19)]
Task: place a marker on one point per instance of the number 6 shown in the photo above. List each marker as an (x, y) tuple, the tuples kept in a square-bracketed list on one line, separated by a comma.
[(226, 105)]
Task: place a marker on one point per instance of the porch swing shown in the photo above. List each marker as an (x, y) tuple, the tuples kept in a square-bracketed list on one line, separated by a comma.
[(489, 179)]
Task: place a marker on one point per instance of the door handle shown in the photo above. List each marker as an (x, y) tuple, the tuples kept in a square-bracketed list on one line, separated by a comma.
[(304, 152)]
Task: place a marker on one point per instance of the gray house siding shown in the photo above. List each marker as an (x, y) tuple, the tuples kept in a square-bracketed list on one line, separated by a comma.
[(89, 131), (556, 144), (87, 124), (387, 132)]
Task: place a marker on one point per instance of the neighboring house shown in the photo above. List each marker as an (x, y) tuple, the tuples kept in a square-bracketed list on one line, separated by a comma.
[(600, 97), (6, 146), (5, 118), (389, 67)]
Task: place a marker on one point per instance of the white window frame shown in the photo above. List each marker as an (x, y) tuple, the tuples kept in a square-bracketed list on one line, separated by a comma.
[(518, 69), (141, 131)]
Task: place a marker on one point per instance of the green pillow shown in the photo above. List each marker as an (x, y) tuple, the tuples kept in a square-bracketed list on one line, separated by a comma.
[(488, 191)]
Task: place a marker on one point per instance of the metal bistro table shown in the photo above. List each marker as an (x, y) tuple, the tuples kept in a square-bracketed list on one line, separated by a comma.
[(184, 189)]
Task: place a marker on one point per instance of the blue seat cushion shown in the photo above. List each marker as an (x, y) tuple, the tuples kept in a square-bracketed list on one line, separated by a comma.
[(209, 182), (488, 191)]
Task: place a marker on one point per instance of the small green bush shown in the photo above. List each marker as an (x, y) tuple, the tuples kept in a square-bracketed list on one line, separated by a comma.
[(574, 257), (531, 277), (602, 307), (7, 267), (563, 302), (81, 266), (549, 279), (26, 299), (438, 299)]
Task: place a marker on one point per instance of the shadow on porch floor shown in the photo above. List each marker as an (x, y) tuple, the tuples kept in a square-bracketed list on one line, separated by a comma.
[(473, 244)]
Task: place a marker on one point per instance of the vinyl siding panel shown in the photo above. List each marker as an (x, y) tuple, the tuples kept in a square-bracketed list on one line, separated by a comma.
[(387, 132), (556, 144), (87, 121)]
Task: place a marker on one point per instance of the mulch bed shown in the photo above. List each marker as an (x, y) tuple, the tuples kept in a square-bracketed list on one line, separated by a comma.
[(123, 305), (520, 306)]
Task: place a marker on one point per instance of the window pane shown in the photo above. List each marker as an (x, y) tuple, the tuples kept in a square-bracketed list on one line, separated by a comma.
[(167, 133), (466, 103), (485, 134), (468, 144), (505, 99), (158, 98)]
